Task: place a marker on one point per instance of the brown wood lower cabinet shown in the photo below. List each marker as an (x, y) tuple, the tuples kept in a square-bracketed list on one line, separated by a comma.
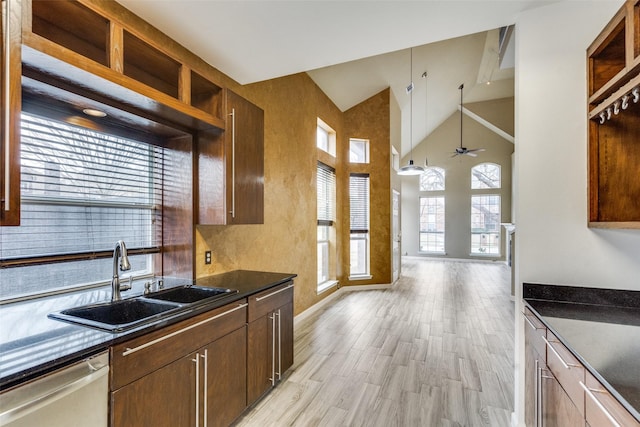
[(546, 402), (191, 373), (559, 391), (270, 339)]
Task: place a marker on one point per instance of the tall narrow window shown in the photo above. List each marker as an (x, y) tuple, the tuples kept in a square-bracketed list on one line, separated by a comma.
[(358, 150), (326, 190), (432, 224), (82, 191), (326, 138), (485, 224), (359, 224), (485, 175)]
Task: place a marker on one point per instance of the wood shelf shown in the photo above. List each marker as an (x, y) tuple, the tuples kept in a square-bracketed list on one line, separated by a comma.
[(52, 61), (614, 122), (90, 36)]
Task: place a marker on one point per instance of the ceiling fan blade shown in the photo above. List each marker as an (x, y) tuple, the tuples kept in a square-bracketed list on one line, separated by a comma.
[(455, 154), (469, 153), (475, 150)]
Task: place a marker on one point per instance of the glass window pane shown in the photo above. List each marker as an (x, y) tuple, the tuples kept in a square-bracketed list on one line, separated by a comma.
[(485, 225), (358, 150), (432, 179), (322, 138), (359, 255), (485, 175), (432, 223)]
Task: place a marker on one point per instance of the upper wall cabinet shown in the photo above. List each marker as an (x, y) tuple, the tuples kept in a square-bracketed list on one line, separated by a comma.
[(10, 95), (614, 121), (104, 49), (231, 167)]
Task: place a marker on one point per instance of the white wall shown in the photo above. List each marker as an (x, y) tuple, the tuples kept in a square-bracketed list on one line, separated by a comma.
[(554, 244)]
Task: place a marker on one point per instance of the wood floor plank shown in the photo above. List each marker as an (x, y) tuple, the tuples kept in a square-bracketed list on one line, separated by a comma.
[(434, 350)]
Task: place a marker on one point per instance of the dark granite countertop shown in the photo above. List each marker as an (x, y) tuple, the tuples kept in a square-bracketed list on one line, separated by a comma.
[(31, 344), (601, 327)]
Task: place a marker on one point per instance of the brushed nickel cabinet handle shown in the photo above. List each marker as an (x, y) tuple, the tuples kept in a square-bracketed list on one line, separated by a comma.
[(233, 163), (274, 292), (534, 327), (197, 390), (589, 392), (129, 351), (565, 364), (273, 349), (6, 101), (279, 346), (206, 386)]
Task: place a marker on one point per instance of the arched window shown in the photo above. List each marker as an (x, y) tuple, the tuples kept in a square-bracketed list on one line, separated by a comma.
[(432, 179), (485, 175)]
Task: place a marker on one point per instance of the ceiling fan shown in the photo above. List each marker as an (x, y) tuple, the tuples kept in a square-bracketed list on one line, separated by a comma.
[(464, 150)]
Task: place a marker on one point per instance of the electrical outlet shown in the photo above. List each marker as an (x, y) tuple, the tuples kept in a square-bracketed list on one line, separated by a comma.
[(207, 257)]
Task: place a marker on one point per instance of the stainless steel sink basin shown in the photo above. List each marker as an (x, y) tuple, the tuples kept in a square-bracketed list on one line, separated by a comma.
[(119, 315), (190, 294)]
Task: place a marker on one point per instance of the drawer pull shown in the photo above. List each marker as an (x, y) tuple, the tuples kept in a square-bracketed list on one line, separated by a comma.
[(589, 392), (534, 327), (129, 351), (565, 364), (274, 292)]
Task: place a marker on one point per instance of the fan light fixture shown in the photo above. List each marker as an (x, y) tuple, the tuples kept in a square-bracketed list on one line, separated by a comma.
[(410, 168)]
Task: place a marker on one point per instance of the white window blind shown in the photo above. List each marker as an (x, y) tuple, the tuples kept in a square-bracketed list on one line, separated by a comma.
[(82, 190), (359, 202), (326, 187)]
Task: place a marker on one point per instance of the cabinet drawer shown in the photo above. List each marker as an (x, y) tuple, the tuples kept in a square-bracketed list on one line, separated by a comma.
[(567, 369), (266, 301), (135, 358), (602, 409), (535, 332)]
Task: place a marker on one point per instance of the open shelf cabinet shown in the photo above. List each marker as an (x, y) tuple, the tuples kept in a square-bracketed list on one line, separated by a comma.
[(614, 122)]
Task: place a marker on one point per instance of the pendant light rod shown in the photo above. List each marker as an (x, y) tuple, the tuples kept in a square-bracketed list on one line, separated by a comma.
[(461, 88), (410, 168)]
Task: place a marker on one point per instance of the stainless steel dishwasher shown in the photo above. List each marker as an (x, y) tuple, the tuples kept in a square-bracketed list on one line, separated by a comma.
[(71, 397)]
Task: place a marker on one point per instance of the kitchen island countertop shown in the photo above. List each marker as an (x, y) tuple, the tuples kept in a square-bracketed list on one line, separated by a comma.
[(601, 327)]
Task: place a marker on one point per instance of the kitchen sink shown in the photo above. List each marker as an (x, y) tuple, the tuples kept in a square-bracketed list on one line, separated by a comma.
[(119, 315), (190, 294)]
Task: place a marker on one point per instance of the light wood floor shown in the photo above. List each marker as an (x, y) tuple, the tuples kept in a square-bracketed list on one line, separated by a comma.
[(435, 350)]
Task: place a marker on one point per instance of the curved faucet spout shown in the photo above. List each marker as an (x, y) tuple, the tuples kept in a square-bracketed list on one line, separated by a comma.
[(119, 251)]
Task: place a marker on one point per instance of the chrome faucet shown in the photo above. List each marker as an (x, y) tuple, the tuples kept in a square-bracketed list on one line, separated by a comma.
[(119, 251)]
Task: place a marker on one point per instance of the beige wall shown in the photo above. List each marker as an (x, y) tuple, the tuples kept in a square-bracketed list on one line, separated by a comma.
[(286, 242), (438, 148)]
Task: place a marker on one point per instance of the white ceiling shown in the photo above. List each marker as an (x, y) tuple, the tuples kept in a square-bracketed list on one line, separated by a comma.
[(354, 47)]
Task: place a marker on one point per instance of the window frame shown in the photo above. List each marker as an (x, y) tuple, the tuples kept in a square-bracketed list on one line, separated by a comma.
[(486, 186), (365, 150), (497, 232), (359, 224), (437, 214)]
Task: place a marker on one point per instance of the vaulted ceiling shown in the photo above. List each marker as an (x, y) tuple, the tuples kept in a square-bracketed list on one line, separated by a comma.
[(353, 48)]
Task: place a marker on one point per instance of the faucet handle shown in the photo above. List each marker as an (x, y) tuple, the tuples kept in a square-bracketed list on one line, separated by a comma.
[(128, 285)]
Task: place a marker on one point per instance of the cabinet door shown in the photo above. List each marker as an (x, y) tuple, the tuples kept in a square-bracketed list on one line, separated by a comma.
[(10, 106), (558, 410), (259, 357), (244, 152), (166, 397), (226, 378), (285, 326), (531, 382)]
